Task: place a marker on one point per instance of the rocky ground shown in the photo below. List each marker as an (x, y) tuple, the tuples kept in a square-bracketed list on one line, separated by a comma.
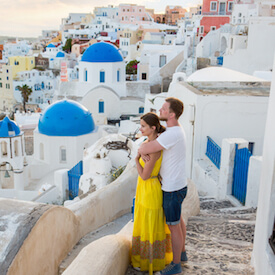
[(219, 240)]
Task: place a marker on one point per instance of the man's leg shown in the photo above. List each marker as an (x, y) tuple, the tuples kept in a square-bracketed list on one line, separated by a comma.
[(177, 241), (183, 230)]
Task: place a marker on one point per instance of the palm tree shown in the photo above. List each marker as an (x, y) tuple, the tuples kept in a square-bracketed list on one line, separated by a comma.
[(25, 93)]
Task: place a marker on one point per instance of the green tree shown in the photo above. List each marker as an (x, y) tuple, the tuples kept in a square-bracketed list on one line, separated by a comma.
[(26, 91), (68, 45), (131, 67)]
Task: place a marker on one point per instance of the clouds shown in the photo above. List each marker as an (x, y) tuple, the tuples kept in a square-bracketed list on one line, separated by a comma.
[(27, 18)]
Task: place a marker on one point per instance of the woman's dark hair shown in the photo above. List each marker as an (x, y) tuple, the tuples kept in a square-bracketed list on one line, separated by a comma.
[(153, 120)]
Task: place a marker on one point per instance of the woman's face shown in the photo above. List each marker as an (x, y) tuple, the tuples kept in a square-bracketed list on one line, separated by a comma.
[(145, 129)]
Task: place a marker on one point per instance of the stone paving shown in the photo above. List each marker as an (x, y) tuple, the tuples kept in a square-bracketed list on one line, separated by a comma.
[(219, 240)]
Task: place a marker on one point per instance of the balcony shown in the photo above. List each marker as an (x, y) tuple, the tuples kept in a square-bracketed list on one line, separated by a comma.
[(221, 13)]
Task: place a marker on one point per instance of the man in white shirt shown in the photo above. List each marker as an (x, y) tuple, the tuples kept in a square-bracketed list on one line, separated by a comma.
[(174, 183)]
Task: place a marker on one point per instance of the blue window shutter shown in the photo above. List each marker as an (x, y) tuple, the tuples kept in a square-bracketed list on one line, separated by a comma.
[(141, 110), (102, 77), (117, 75), (101, 106)]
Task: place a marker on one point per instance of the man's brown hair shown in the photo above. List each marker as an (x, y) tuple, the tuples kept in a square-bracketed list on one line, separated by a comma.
[(176, 106)]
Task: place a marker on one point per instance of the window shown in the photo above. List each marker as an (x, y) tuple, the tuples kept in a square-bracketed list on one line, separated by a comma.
[(222, 8), (231, 44), (162, 60), (213, 6), (0, 85), (16, 151), (63, 157), (230, 6), (85, 75), (141, 110), (102, 77), (117, 75), (7, 78), (4, 149), (201, 29), (41, 151), (143, 76), (213, 28), (101, 106)]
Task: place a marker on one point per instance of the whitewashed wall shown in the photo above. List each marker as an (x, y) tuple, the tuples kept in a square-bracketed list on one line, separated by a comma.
[(110, 68), (225, 116), (259, 53), (253, 181), (111, 102), (38, 167), (218, 116), (263, 257)]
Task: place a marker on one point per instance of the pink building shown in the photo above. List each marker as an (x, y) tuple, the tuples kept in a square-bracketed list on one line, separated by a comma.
[(214, 15), (132, 14)]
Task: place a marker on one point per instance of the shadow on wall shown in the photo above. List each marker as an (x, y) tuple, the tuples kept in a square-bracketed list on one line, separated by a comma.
[(156, 89)]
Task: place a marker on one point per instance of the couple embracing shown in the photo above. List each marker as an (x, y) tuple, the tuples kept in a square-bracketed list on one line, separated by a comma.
[(159, 231)]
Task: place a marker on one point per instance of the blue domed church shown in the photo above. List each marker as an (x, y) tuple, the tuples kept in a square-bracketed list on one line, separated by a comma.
[(64, 130), (12, 153), (102, 88)]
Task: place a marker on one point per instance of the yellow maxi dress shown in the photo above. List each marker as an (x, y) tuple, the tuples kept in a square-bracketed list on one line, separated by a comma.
[(151, 241)]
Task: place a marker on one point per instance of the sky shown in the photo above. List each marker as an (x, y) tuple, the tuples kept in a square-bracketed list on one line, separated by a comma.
[(27, 18)]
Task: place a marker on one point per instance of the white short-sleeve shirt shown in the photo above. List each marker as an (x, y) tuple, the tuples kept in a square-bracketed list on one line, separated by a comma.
[(172, 168)]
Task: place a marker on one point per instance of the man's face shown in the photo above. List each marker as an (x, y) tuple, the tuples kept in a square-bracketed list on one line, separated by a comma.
[(164, 111)]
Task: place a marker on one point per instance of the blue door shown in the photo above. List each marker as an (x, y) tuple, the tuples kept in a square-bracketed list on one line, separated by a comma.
[(241, 164), (74, 175)]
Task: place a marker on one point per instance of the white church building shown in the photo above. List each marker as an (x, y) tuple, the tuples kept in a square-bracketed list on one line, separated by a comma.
[(102, 88), (65, 129)]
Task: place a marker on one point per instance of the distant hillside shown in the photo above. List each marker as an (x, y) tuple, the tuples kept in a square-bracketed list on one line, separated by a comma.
[(3, 38)]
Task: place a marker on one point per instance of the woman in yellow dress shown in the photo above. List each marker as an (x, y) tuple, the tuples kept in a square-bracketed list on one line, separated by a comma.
[(151, 241)]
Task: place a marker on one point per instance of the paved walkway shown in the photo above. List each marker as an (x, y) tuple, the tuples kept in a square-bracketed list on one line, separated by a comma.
[(219, 240)]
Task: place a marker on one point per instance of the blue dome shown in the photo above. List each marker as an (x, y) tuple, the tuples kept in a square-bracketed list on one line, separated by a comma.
[(66, 118), (8, 128), (60, 54), (51, 46), (102, 52)]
